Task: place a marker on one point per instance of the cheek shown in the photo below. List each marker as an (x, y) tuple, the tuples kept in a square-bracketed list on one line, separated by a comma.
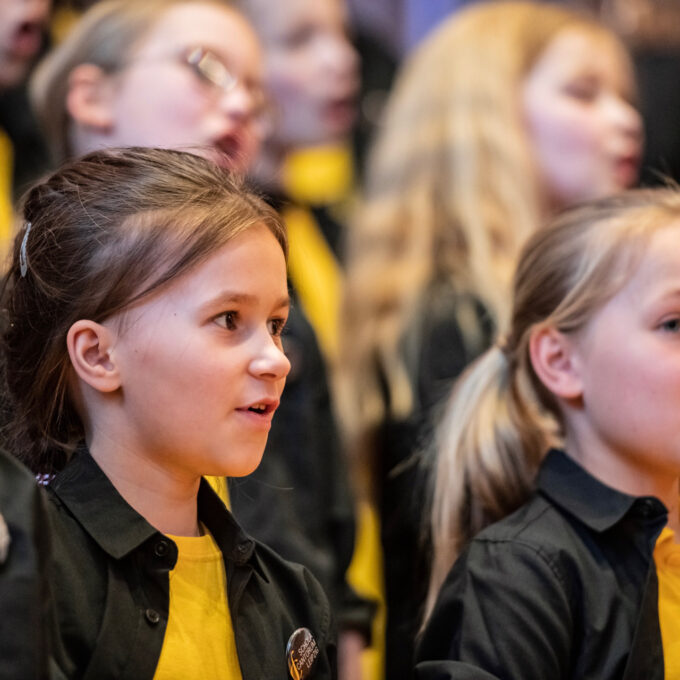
[(632, 398), (290, 84), (567, 132), (193, 388), (163, 115), (568, 148)]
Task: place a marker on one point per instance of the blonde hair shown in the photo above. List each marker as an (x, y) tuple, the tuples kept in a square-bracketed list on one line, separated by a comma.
[(451, 194), (106, 36), (501, 420)]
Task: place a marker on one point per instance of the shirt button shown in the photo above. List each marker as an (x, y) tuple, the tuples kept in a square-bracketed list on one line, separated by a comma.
[(161, 549), (647, 508), (152, 616)]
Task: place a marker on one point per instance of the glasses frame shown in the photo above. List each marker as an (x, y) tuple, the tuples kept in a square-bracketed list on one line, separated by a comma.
[(210, 70)]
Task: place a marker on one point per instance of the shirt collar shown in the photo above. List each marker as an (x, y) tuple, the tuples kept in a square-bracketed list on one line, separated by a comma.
[(591, 501), (119, 529)]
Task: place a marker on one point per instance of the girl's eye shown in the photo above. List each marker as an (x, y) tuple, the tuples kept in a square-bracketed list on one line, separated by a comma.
[(585, 91), (228, 320), (299, 37), (671, 325), (276, 326)]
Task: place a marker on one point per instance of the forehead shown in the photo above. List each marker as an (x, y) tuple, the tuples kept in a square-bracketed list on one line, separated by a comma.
[(659, 267), (651, 284), (211, 25), (253, 257), (273, 18), (578, 50)]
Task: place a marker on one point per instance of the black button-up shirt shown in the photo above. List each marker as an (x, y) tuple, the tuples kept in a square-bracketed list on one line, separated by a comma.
[(111, 586), (24, 594), (563, 588)]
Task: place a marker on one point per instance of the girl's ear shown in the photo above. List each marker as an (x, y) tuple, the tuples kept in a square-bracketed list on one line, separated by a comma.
[(90, 349), (554, 361), (89, 97)]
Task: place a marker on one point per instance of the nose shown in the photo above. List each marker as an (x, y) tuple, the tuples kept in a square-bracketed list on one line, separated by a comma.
[(339, 56), (269, 361), (626, 117), (36, 10), (239, 102)]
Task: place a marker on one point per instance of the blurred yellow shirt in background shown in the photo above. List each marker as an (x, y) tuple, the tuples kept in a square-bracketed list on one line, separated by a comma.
[(667, 560)]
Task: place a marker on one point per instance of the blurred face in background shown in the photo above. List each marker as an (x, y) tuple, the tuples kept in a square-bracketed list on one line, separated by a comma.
[(194, 83), (585, 132), (311, 68), (22, 25)]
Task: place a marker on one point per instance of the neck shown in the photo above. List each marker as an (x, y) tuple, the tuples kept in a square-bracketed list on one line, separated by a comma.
[(625, 471), (166, 499)]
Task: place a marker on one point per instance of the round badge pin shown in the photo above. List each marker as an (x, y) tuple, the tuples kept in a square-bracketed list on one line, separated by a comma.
[(301, 652), (4, 540)]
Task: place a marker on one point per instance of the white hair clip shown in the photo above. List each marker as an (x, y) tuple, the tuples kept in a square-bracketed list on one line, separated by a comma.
[(23, 262)]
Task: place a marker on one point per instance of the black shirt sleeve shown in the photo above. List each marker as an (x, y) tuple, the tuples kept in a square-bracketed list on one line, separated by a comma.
[(504, 609)]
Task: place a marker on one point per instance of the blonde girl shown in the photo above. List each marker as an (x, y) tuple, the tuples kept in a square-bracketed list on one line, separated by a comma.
[(564, 584), (144, 306), (508, 113)]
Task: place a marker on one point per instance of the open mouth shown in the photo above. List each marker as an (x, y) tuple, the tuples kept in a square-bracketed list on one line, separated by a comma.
[(627, 169), (27, 39), (260, 408), (229, 151)]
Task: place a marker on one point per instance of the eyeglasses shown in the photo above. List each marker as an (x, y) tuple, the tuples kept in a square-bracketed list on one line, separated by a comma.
[(212, 71), (209, 69)]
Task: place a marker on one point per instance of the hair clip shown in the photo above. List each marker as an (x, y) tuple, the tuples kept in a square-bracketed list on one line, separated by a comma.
[(23, 262)]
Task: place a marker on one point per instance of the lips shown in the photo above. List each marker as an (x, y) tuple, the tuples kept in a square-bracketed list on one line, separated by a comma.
[(260, 412), (262, 408), (340, 113), (228, 144), (230, 152), (627, 168), (27, 40)]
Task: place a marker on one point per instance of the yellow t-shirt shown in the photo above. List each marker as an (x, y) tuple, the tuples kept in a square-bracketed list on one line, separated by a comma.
[(220, 487), (199, 640), (667, 560)]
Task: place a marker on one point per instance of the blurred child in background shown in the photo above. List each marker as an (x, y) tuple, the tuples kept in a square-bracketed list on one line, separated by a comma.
[(506, 114)]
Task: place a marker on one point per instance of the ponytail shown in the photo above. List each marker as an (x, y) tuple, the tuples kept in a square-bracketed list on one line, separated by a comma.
[(501, 419), (489, 444)]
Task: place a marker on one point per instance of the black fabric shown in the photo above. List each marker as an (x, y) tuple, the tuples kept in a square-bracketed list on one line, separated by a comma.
[(24, 594), (657, 76), (111, 585), (436, 352), (31, 158), (565, 587)]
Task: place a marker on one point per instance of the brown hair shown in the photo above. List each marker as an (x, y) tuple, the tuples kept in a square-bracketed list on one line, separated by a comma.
[(106, 36), (102, 233), (501, 419)]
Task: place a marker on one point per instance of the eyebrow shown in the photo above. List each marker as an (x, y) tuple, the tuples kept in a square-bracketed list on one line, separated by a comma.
[(670, 293), (229, 298)]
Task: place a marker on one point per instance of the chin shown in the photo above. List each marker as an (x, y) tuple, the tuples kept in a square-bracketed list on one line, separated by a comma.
[(243, 465)]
